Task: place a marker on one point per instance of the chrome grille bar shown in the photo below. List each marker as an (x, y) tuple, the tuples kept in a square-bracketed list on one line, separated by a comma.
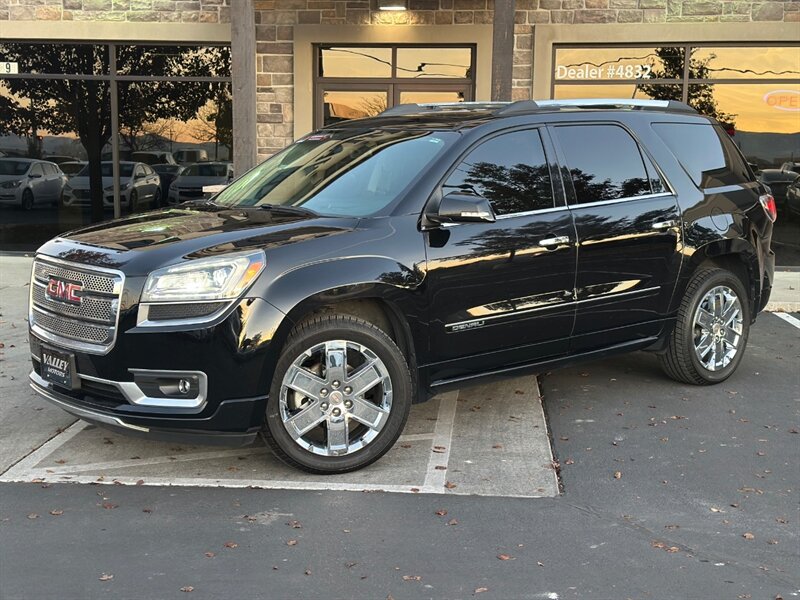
[(90, 326)]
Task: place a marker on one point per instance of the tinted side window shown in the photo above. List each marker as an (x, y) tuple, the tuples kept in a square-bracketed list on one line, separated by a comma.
[(705, 152), (509, 170), (36, 169), (604, 161)]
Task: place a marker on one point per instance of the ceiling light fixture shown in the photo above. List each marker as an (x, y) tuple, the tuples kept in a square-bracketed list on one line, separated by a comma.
[(392, 4)]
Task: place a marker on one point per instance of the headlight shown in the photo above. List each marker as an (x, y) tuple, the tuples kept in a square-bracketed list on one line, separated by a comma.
[(224, 278), (11, 184), (122, 187)]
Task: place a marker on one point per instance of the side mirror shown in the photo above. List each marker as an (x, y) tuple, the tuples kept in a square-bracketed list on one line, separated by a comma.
[(458, 207), (140, 176), (35, 175)]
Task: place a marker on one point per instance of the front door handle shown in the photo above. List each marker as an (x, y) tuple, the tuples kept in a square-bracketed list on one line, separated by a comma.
[(665, 225), (552, 242)]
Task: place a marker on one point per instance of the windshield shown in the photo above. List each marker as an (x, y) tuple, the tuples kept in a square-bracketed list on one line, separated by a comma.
[(14, 167), (206, 170), (125, 170), (343, 173)]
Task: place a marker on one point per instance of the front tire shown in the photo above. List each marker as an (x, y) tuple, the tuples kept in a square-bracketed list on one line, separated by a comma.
[(710, 334), (340, 396), (27, 200)]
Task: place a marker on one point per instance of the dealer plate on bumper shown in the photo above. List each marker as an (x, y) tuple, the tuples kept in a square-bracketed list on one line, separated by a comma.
[(59, 367)]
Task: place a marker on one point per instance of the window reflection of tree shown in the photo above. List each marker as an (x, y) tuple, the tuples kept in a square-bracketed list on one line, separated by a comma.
[(509, 189), (589, 190)]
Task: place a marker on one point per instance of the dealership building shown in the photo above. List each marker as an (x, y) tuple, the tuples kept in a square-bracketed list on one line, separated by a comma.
[(241, 79)]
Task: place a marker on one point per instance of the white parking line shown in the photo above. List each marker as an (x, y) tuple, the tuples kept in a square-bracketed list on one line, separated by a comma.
[(442, 439), (788, 318), (28, 463)]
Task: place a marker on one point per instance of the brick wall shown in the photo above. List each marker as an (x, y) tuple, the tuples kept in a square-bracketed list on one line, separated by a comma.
[(275, 21), (166, 11)]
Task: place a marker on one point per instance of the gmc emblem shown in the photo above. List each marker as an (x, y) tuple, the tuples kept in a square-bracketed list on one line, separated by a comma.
[(64, 291)]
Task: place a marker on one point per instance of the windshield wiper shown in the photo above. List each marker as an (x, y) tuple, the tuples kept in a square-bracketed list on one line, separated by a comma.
[(295, 210)]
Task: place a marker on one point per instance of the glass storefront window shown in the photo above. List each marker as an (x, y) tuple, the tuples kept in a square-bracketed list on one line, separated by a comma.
[(768, 62), (355, 62), (171, 99), (56, 59), (343, 105), (399, 75), (432, 96), (434, 63), (629, 63), (641, 91)]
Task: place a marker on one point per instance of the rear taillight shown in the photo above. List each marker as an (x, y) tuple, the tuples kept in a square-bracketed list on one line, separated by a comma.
[(768, 203)]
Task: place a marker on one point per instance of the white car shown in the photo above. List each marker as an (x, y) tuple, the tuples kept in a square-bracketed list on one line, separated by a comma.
[(200, 181), (25, 182), (139, 185)]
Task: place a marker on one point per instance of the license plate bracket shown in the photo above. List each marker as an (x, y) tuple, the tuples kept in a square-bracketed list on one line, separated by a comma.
[(58, 367)]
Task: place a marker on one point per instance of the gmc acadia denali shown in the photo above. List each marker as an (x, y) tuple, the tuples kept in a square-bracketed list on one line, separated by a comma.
[(377, 262)]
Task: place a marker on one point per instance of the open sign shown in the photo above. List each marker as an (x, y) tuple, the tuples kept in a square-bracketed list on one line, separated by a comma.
[(783, 100)]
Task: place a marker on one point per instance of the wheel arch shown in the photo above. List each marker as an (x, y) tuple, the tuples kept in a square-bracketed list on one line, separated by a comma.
[(386, 297), (734, 255)]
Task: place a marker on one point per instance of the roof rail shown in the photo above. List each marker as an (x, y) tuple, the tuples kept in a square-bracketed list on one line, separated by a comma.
[(519, 107), (415, 109), (672, 105), (522, 107)]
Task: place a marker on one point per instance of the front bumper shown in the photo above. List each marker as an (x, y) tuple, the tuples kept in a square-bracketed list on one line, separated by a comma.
[(12, 196), (157, 428), (233, 357)]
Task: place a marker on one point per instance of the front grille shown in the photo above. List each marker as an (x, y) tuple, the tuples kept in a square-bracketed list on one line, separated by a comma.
[(90, 325)]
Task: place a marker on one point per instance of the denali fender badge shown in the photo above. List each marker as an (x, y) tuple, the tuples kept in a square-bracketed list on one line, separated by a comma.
[(64, 291), (462, 326)]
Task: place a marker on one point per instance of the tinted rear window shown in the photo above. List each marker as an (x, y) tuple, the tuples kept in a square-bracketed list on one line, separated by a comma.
[(705, 152), (605, 163)]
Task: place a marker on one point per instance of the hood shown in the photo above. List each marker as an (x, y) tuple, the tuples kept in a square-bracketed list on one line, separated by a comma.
[(197, 181), (147, 241), (12, 177)]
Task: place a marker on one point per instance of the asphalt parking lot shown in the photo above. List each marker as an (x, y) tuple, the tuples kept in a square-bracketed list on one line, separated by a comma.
[(667, 491)]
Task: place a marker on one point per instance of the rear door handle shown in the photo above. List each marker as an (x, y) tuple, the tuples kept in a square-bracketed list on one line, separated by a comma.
[(665, 225), (552, 242)]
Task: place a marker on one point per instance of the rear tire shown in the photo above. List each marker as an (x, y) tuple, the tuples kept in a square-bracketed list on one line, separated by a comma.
[(353, 415), (710, 334)]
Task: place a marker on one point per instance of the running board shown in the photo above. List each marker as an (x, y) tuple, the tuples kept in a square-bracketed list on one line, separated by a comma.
[(547, 364)]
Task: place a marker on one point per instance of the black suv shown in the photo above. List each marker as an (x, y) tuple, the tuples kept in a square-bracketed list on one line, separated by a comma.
[(377, 262)]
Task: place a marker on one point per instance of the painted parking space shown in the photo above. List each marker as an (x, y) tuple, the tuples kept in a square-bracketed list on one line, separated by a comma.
[(485, 440)]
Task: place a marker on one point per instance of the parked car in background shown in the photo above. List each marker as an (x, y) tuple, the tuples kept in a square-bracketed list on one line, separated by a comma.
[(190, 183), (778, 181), (382, 261), (59, 158), (72, 168), (167, 174), (153, 157), (139, 186), (186, 156), (793, 199), (26, 182)]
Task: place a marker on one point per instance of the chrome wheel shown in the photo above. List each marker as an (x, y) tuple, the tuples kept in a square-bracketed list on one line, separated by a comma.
[(717, 328), (335, 398)]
